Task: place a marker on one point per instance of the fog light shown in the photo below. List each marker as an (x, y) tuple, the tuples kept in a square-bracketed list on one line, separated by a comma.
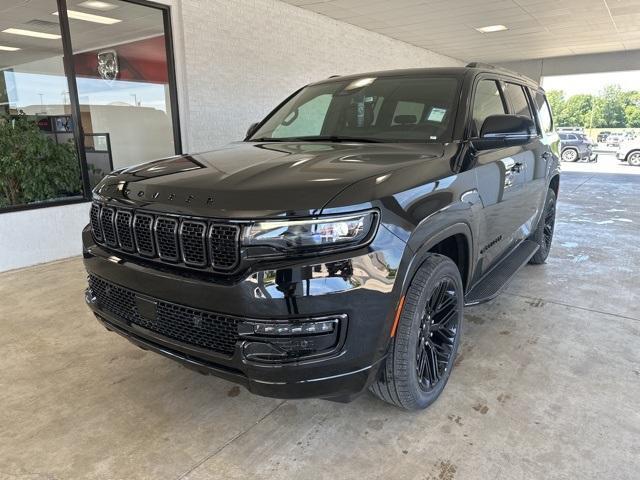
[(288, 329), (290, 339)]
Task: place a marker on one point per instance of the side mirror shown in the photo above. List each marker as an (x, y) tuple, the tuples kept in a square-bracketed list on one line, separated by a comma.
[(499, 131), (252, 129)]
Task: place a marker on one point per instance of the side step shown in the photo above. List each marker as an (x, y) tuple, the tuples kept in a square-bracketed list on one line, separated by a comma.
[(499, 276)]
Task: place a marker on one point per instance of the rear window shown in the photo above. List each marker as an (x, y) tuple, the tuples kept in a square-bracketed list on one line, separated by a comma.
[(517, 99), (544, 112)]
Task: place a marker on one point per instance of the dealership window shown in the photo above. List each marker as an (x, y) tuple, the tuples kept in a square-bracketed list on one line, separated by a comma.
[(101, 68), (39, 162)]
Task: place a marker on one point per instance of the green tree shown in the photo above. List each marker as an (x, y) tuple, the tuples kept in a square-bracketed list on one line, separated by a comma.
[(557, 103), (609, 108), (577, 110)]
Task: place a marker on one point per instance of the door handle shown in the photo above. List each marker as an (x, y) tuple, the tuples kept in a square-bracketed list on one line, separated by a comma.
[(517, 167), (546, 155)]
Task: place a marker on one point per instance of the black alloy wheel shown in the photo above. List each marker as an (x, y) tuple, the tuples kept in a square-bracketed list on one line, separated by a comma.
[(424, 345), (543, 234), (437, 335)]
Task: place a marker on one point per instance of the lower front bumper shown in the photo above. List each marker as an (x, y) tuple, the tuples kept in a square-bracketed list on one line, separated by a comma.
[(343, 387)]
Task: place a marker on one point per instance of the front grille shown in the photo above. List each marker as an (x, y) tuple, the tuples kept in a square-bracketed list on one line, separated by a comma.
[(108, 227), (124, 230), (183, 241), (167, 238), (201, 328), (192, 242), (222, 238)]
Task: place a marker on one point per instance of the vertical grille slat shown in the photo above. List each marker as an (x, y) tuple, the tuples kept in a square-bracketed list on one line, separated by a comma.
[(107, 215), (166, 232), (192, 241), (124, 220), (143, 233), (94, 216), (185, 241), (223, 244)]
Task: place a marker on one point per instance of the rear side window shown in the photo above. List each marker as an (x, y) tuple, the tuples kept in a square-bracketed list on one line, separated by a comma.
[(486, 102), (544, 112), (517, 99)]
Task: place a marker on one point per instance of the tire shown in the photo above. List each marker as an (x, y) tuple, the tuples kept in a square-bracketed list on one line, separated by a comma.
[(429, 328), (634, 158), (570, 155), (543, 234)]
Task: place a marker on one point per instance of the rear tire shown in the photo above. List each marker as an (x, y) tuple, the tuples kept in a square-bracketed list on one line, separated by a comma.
[(543, 234), (569, 155), (423, 351)]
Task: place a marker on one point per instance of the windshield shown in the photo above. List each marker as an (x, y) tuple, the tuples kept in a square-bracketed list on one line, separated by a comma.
[(385, 109)]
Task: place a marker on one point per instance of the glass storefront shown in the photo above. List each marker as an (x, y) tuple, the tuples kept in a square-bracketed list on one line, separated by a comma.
[(71, 111)]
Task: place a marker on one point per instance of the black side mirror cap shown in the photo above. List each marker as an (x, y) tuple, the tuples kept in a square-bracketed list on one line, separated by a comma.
[(251, 130), (499, 131)]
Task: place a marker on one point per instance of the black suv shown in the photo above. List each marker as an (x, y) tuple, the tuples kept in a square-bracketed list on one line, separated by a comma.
[(334, 249)]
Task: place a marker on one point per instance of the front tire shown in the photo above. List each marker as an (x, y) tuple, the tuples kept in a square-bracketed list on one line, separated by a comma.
[(426, 340), (634, 159), (543, 235)]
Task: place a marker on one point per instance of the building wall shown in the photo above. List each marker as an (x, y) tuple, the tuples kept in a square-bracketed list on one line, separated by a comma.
[(243, 57), (36, 236), (235, 61)]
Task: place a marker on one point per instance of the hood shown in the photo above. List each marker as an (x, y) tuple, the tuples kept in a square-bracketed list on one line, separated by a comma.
[(254, 180)]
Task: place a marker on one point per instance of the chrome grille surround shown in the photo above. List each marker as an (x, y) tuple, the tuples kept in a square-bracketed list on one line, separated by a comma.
[(194, 243)]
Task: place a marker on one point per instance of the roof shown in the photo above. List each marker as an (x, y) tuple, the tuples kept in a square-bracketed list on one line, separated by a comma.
[(439, 71)]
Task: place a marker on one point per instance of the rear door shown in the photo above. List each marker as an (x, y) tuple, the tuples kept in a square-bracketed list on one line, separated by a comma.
[(532, 159), (499, 178)]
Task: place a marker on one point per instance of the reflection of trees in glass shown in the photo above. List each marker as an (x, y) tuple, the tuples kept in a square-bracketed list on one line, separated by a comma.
[(33, 168), (611, 108)]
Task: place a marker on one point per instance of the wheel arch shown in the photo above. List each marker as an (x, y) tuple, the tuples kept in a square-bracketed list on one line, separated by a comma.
[(631, 152), (455, 242)]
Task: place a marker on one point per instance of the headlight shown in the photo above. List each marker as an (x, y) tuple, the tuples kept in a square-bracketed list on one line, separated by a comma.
[(313, 234)]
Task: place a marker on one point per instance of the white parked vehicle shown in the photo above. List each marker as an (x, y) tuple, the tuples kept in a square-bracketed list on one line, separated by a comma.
[(629, 152)]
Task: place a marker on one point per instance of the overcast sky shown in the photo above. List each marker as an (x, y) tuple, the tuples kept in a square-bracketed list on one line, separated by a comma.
[(592, 82)]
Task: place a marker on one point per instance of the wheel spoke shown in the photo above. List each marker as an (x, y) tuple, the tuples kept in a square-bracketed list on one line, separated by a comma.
[(437, 334)]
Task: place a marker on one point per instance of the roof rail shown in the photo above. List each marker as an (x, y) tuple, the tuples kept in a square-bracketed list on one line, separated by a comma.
[(501, 69), (480, 65)]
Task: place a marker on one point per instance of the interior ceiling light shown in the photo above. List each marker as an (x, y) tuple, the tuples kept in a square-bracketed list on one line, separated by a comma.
[(492, 28), (89, 17), (98, 5), (8, 49), (31, 33)]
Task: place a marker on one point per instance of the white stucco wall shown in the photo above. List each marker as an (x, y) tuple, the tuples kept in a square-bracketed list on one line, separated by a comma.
[(235, 61), (243, 57), (36, 236)]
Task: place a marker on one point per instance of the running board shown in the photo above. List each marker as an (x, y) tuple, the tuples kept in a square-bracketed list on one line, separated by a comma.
[(499, 276)]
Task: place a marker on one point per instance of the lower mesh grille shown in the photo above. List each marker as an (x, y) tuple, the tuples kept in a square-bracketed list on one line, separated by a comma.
[(212, 331)]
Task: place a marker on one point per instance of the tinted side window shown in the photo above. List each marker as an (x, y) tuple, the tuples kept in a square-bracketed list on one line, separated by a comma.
[(487, 101), (517, 99), (544, 113)]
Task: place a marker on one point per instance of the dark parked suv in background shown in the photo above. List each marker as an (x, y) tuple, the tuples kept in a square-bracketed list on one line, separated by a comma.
[(334, 249), (574, 147)]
